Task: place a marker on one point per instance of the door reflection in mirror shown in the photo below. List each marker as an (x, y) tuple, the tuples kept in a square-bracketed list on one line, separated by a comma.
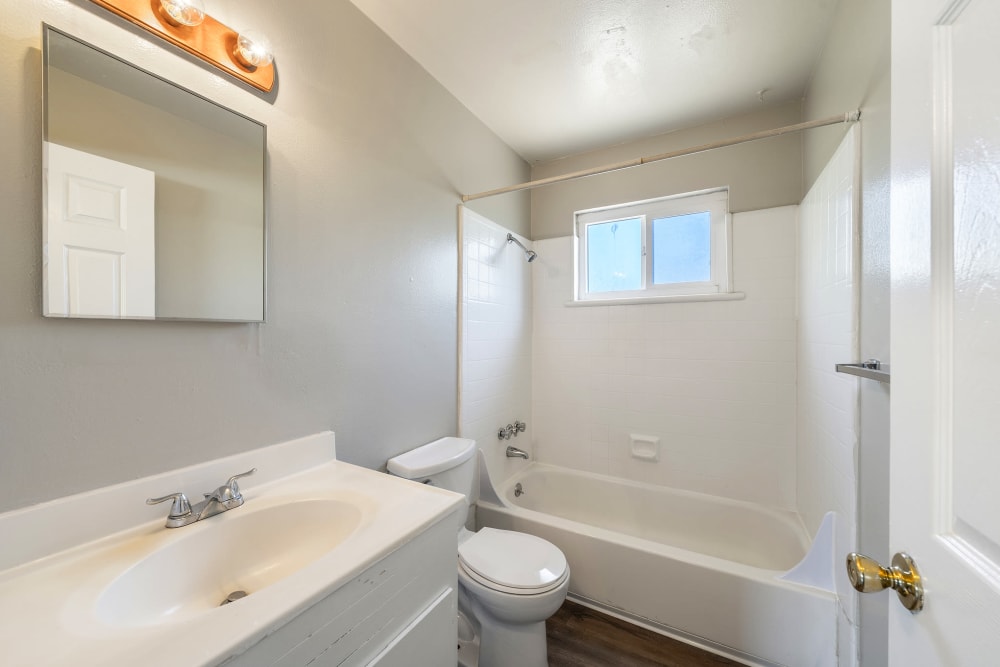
[(207, 163)]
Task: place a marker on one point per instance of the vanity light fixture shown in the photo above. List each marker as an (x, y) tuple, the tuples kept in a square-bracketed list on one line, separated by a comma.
[(246, 55), (183, 12), (253, 49)]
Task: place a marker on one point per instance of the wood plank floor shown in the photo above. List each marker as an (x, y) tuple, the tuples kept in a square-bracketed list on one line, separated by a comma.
[(581, 637)]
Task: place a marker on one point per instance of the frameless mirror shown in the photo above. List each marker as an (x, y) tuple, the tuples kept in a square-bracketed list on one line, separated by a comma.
[(153, 195)]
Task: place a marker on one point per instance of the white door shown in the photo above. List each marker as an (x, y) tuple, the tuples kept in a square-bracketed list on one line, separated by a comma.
[(945, 423), (99, 238)]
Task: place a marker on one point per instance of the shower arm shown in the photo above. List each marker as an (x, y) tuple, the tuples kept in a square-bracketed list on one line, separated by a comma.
[(512, 239), (530, 255)]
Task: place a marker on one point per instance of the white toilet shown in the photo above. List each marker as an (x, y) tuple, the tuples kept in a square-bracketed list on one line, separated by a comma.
[(509, 582)]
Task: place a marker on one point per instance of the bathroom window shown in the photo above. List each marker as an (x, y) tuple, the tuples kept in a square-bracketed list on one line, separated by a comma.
[(667, 248)]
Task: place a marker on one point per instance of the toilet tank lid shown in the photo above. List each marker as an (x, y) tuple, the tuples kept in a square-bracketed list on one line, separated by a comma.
[(432, 458)]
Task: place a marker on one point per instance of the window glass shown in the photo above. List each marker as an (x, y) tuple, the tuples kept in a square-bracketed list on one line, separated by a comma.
[(682, 249), (614, 255), (674, 246)]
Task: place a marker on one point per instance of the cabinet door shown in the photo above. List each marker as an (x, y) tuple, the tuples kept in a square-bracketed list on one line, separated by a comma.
[(411, 591), (431, 636)]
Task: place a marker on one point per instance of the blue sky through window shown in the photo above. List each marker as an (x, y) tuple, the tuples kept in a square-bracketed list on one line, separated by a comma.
[(614, 255), (682, 249)]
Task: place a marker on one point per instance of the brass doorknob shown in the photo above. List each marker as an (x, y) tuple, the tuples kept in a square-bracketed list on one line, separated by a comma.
[(868, 576)]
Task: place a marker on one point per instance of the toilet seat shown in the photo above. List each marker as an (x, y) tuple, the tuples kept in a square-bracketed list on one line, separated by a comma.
[(499, 588), (512, 562)]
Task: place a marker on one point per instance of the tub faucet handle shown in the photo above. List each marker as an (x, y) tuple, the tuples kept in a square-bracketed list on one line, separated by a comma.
[(519, 427), (505, 432)]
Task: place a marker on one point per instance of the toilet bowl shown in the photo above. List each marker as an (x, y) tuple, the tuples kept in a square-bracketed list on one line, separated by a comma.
[(509, 582)]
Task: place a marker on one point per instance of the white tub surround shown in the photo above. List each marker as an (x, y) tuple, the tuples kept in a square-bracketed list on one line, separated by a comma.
[(828, 421), (65, 561), (495, 316), (708, 570), (714, 381)]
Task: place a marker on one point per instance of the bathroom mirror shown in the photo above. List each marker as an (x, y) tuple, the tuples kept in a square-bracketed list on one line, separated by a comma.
[(154, 202)]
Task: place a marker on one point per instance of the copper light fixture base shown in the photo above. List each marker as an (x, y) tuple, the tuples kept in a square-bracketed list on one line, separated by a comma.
[(211, 41)]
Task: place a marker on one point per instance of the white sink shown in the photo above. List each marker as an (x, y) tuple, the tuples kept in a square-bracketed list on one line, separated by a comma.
[(96, 578), (240, 550)]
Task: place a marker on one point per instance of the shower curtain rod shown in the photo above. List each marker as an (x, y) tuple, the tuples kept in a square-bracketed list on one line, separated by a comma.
[(849, 117)]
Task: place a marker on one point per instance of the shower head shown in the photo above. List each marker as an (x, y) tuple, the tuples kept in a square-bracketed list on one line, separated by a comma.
[(530, 255)]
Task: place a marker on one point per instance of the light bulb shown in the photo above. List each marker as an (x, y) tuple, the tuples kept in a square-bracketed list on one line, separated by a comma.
[(184, 12), (253, 49)]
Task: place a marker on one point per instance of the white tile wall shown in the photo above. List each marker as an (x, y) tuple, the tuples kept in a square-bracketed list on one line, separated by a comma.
[(828, 424), (742, 394), (496, 339), (715, 381)]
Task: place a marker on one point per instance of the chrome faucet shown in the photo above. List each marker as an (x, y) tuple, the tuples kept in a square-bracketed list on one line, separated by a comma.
[(224, 498), (515, 453), (511, 430)]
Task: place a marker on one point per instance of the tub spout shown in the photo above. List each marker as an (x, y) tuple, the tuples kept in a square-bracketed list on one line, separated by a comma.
[(515, 453)]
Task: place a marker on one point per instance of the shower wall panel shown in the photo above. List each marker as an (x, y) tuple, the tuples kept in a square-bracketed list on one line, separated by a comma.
[(496, 338), (828, 421), (714, 381)]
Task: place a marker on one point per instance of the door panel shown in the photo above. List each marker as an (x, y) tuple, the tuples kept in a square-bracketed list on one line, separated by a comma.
[(93, 280), (945, 327), (975, 130), (99, 237)]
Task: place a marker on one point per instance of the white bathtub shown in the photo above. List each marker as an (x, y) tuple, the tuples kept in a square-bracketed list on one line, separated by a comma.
[(707, 570)]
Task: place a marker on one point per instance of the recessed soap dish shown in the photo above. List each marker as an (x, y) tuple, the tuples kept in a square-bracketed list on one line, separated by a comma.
[(645, 447)]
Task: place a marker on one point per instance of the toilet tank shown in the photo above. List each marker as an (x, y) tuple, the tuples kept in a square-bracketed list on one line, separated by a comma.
[(448, 463)]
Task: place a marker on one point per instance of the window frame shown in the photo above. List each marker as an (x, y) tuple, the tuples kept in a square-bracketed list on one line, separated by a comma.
[(715, 201)]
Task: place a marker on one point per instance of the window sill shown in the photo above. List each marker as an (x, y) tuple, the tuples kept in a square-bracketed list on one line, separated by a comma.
[(673, 298)]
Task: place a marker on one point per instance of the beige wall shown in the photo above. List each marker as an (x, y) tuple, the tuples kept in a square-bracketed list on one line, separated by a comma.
[(366, 156), (762, 174), (854, 73)]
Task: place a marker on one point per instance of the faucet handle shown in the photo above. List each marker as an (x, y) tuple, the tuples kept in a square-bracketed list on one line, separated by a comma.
[(180, 507), (233, 487)]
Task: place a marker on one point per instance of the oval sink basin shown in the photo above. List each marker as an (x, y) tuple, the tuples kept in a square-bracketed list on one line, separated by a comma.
[(239, 550)]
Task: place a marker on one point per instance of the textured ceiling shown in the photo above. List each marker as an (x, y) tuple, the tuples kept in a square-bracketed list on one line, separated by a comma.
[(557, 77)]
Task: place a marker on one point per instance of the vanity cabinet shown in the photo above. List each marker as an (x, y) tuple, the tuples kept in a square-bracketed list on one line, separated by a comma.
[(399, 612)]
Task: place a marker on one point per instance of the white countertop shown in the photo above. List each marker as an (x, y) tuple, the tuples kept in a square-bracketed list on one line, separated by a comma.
[(47, 605)]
